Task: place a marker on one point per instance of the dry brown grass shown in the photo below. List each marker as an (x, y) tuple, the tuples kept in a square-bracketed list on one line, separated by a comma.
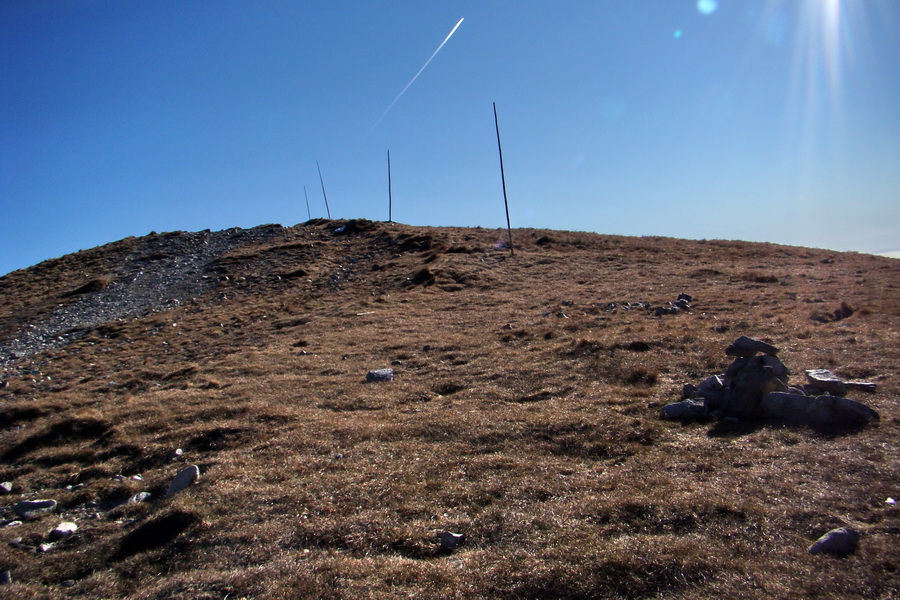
[(523, 414)]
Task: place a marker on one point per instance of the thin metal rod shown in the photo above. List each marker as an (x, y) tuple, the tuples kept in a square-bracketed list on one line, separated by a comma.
[(503, 179), (324, 195), (390, 192), (305, 195)]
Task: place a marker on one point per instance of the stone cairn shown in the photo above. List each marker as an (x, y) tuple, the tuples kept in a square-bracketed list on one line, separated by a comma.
[(756, 386)]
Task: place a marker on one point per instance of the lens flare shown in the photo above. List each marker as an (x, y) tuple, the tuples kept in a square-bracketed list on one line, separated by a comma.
[(707, 7)]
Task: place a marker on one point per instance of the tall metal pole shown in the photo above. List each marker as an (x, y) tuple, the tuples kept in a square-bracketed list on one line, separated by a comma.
[(322, 181), (390, 192), (503, 179), (305, 195)]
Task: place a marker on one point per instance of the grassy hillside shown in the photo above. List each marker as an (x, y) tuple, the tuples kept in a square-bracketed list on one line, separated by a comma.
[(524, 413)]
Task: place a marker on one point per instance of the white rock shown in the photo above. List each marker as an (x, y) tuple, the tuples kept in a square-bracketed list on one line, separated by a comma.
[(380, 375), (183, 480), (63, 530), (6, 488), (139, 497)]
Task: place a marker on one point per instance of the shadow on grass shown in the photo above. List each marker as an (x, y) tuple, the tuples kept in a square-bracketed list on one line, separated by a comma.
[(727, 428)]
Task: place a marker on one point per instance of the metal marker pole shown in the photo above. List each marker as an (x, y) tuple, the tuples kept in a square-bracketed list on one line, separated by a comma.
[(322, 181), (503, 179), (390, 192), (305, 195)]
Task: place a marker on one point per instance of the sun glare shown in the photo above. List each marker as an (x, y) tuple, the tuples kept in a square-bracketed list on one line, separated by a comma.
[(822, 36)]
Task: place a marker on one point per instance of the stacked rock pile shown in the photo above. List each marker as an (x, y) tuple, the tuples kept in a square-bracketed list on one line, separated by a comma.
[(756, 386)]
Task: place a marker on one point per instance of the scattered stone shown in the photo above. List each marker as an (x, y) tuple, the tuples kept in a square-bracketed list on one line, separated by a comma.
[(5, 578), (68, 583), (825, 380), (183, 480), (688, 390), (686, 410), (862, 386), (834, 410), (839, 542), (451, 541), (32, 509), (380, 375), (682, 304), (44, 548), (63, 530), (13, 524), (745, 347), (139, 497), (6, 488), (175, 454)]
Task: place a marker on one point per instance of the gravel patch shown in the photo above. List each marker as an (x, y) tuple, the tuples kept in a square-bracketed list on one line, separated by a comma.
[(163, 272)]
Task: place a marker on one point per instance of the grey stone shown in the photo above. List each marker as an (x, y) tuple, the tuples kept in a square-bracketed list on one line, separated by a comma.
[(5, 578), (787, 406), (175, 454), (13, 524), (778, 368), (716, 400), (451, 541), (834, 410), (826, 381), (748, 386), (746, 346), (711, 384), (862, 386), (686, 410), (839, 542), (44, 548), (183, 480), (6, 488), (380, 375), (688, 390), (738, 365), (63, 530), (32, 509)]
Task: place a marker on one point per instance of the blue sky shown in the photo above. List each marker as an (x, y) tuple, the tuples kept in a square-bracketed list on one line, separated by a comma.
[(765, 120)]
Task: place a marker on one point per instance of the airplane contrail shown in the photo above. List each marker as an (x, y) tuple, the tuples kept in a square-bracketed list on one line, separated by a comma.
[(430, 58)]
